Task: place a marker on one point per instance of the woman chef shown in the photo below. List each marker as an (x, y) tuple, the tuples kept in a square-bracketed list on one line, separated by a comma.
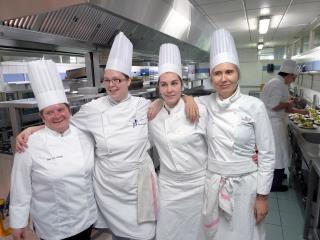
[(236, 190), (124, 178), (183, 154), (52, 179)]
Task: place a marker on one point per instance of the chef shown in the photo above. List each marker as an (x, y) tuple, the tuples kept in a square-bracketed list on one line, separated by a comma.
[(125, 181), (183, 154), (236, 189), (275, 96), (52, 179)]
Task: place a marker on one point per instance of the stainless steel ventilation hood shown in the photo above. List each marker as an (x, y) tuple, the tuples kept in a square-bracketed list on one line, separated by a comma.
[(82, 26)]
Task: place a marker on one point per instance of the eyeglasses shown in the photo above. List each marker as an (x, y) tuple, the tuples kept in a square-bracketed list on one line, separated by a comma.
[(114, 80)]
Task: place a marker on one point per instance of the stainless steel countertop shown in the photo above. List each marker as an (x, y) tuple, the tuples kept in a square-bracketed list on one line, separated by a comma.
[(310, 151)]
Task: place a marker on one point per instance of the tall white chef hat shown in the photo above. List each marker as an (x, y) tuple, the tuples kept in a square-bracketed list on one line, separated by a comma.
[(289, 66), (223, 49), (46, 83), (169, 59), (120, 57)]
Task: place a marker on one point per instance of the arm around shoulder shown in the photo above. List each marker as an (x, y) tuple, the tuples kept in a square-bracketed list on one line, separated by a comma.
[(22, 138)]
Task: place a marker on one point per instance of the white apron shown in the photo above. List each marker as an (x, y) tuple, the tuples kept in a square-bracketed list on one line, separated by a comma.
[(229, 208), (280, 132), (182, 151), (124, 178)]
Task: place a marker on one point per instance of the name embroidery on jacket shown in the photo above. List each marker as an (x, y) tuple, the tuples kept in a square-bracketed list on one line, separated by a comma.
[(55, 157)]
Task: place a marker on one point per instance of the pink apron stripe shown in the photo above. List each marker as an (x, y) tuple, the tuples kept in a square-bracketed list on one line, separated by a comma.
[(212, 224), (225, 196)]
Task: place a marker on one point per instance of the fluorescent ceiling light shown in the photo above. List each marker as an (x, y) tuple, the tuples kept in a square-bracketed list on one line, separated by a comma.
[(264, 23), (264, 11), (260, 45)]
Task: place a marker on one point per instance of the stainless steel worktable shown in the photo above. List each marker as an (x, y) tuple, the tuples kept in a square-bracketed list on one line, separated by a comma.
[(308, 141), (312, 217), (304, 131)]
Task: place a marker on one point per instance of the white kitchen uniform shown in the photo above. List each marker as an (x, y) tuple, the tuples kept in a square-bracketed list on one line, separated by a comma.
[(123, 169), (183, 160), (276, 91), (236, 125), (52, 180)]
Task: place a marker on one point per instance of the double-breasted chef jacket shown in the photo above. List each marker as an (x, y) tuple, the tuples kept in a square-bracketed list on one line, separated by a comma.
[(52, 180), (235, 127), (182, 150), (125, 182), (276, 91)]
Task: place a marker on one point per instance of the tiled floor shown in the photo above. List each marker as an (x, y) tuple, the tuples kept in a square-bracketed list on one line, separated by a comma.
[(285, 219)]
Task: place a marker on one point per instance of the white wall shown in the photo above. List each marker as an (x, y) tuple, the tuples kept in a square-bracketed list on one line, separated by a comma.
[(250, 68)]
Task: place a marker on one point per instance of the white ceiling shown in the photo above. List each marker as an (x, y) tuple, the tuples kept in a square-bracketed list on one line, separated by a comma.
[(289, 19)]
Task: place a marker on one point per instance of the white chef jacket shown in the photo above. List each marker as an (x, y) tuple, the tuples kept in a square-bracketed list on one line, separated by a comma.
[(120, 131), (274, 92), (235, 126), (52, 180), (183, 159)]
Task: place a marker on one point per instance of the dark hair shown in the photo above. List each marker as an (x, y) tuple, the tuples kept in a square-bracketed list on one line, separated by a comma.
[(283, 74), (66, 104)]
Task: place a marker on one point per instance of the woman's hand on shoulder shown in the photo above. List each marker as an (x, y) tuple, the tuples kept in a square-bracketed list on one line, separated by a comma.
[(154, 108), (192, 109), (22, 138)]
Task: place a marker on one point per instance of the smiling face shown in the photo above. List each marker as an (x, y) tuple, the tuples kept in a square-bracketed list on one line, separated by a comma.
[(170, 88), (56, 117), (116, 85), (225, 78)]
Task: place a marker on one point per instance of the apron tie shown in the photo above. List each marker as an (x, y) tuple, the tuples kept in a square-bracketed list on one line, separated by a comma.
[(218, 197)]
